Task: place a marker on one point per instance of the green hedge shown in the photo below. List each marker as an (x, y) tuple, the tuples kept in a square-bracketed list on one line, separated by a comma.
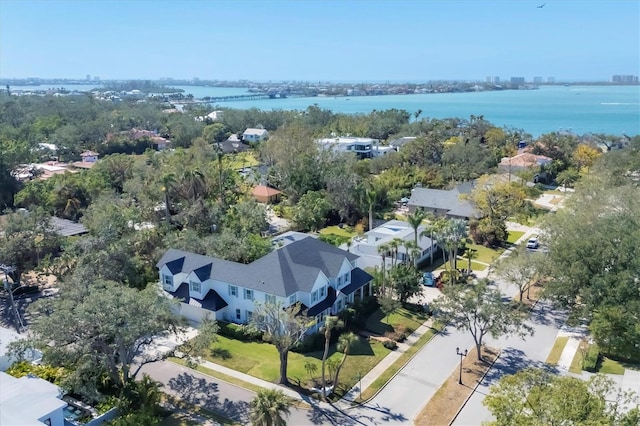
[(333, 239), (239, 332)]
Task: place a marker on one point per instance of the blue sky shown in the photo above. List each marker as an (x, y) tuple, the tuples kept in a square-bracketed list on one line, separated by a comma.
[(311, 40)]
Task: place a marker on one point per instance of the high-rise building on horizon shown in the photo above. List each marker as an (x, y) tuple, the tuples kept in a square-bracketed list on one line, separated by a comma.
[(624, 79), (88, 78), (537, 80), (551, 80), (517, 80)]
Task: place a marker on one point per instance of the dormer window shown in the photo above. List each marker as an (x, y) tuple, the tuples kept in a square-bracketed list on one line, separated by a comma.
[(195, 287)]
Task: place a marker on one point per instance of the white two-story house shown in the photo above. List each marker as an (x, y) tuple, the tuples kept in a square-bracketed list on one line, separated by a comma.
[(255, 135), (323, 278)]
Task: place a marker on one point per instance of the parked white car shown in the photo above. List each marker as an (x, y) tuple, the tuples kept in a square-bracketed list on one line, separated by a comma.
[(533, 243)]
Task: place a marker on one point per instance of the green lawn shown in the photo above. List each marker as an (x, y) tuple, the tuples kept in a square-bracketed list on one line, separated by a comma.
[(556, 351), (485, 254), (514, 236), (261, 360), (345, 231), (610, 366), (243, 159), (377, 323)]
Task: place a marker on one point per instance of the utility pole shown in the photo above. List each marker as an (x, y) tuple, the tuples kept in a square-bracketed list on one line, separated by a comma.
[(16, 317)]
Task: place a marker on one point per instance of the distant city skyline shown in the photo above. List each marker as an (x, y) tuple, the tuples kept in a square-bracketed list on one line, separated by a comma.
[(354, 41)]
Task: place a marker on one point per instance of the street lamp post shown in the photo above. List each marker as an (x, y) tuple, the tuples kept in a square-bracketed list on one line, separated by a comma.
[(462, 355)]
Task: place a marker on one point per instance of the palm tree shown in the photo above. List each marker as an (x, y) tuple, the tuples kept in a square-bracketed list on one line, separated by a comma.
[(330, 323), (311, 368), (345, 344), (268, 408), (394, 245), (412, 250), (167, 183), (371, 197), (429, 229), (469, 254), (453, 234), (415, 219), (383, 250), (194, 184)]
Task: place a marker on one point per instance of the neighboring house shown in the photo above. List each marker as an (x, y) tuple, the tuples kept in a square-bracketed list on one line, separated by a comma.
[(6, 337), (368, 244), (231, 146), (397, 144), (89, 157), (301, 269), (30, 400), (255, 135), (362, 147), (524, 160), (443, 203), (265, 194)]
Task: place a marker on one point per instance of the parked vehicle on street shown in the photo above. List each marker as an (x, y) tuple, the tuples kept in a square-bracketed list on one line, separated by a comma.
[(533, 243)]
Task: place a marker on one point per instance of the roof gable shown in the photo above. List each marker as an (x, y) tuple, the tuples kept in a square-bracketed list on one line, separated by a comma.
[(204, 273)]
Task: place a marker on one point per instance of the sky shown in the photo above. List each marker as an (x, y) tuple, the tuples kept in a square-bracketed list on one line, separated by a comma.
[(346, 40)]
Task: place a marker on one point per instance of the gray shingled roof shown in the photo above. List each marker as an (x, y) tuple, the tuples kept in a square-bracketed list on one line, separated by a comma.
[(444, 200), (282, 272)]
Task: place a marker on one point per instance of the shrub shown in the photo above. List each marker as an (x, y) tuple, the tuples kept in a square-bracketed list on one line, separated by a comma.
[(333, 239), (591, 358), (239, 332), (311, 343), (46, 372), (390, 344), (399, 334)]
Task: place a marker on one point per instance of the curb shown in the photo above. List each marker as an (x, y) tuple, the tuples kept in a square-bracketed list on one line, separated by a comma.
[(474, 389)]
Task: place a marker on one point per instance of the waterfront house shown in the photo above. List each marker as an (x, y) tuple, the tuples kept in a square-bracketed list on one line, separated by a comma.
[(362, 147), (301, 269), (444, 203), (255, 135)]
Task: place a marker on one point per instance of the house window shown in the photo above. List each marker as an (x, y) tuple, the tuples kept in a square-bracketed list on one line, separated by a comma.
[(292, 299), (249, 315), (339, 307), (167, 280), (346, 278), (238, 315), (194, 286), (233, 290), (269, 298), (248, 294), (314, 296), (339, 281), (323, 291), (47, 421)]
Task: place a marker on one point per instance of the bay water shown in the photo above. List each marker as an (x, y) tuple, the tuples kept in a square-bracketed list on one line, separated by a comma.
[(579, 109)]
